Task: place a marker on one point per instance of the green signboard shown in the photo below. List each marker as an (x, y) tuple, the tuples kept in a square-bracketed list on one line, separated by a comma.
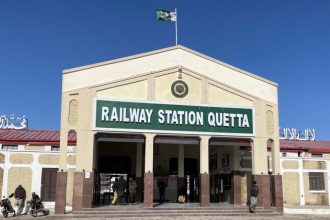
[(114, 115)]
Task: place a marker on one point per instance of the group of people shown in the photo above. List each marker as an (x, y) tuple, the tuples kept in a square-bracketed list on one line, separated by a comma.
[(20, 197), (119, 189)]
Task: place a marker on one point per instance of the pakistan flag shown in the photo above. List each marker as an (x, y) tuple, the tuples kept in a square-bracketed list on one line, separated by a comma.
[(164, 15)]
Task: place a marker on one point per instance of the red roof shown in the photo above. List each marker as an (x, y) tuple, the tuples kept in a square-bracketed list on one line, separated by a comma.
[(38, 137), (44, 137), (308, 146)]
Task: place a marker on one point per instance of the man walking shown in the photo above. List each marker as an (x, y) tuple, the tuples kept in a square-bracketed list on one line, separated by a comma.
[(254, 191), (20, 195), (122, 184), (132, 190)]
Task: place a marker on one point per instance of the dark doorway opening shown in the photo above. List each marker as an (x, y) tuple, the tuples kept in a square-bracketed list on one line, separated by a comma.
[(190, 188), (117, 155), (48, 181)]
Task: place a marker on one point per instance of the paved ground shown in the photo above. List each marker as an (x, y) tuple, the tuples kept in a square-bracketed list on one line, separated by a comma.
[(248, 217)]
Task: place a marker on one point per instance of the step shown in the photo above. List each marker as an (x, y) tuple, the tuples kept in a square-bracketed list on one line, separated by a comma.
[(174, 215)]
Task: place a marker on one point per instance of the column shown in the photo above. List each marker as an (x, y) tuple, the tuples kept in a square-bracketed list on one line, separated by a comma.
[(260, 171), (61, 179), (60, 196), (235, 195), (138, 172), (180, 183), (204, 172), (148, 170)]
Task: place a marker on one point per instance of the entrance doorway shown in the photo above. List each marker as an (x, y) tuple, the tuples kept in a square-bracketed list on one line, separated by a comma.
[(117, 155), (48, 181), (176, 159)]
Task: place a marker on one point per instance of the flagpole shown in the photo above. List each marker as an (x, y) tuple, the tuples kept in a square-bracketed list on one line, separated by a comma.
[(176, 28)]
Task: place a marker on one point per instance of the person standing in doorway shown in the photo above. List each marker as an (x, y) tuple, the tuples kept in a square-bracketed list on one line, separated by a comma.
[(122, 184), (132, 190), (20, 195), (254, 191), (161, 187), (115, 192)]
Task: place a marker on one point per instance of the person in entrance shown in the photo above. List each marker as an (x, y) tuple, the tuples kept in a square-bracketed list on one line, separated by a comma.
[(161, 187), (115, 192), (254, 191), (122, 184), (132, 190)]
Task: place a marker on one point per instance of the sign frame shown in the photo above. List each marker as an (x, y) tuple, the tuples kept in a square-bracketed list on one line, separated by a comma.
[(171, 132)]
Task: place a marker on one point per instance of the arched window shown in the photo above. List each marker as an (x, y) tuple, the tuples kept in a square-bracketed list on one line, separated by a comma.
[(73, 112), (270, 122)]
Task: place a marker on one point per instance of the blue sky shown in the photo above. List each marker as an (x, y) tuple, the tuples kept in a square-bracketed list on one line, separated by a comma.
[(284, 41)]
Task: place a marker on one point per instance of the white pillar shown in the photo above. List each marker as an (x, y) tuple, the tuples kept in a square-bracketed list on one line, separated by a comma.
[(259, 156), (36, 176), (149, 153), (138, 171), (181, 161), (204, 154), (6, 168), (301, 181)]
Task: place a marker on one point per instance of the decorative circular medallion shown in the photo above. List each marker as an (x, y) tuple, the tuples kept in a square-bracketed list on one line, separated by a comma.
[(179, 89)]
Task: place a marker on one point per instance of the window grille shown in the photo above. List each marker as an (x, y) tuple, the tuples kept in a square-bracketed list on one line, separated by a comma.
[(9, 147), (316, 181), (55, 148)]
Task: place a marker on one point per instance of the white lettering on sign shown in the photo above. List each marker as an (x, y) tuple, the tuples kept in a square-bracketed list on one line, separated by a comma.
[(174, 117), (131, 115), (294, 134), (180, 117), (227, 120), (13, 122)]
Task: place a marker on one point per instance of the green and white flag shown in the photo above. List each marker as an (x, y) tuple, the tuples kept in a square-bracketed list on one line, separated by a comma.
[(164, 15)]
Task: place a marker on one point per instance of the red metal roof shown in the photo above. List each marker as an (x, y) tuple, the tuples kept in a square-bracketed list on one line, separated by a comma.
[(38, 137), (44, 137), (308, 146)]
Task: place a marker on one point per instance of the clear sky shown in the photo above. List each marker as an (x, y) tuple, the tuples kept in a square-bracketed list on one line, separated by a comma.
[(284, 41)]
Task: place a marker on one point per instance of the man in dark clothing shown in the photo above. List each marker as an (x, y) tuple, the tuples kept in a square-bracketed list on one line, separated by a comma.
[(254, 191), (34, 199), (122, 184), (161, 186), (20, 195)]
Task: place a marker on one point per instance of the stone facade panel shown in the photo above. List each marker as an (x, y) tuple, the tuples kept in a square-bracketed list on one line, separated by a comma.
[(291, 192), (314, 165), (49, 159), (21, 158), (289, 164)]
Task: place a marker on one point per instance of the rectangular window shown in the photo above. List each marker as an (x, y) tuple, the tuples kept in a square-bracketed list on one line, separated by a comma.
[(316, 181), (316, 155), (55, 148), (9, 147)]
